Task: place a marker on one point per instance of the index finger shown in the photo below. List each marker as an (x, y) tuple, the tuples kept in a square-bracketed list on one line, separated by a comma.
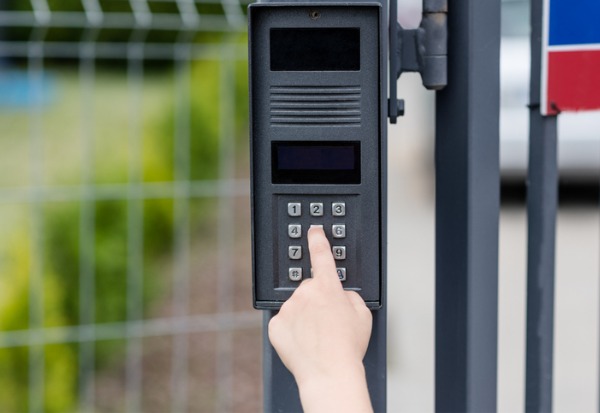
[(321, 257)]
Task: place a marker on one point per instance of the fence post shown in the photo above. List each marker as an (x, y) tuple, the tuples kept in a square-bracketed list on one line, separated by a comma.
[(281, 391), (467, 211), (542, 199)]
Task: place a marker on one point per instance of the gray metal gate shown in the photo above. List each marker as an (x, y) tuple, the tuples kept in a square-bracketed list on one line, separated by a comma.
[(120, 293), (124, 238)]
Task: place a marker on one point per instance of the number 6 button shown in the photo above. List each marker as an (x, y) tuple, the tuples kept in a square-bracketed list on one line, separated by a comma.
[(338, 231)]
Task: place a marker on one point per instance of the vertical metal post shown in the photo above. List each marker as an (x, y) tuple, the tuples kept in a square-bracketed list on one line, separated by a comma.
[(542, 199), (281, 391), (467, 211)]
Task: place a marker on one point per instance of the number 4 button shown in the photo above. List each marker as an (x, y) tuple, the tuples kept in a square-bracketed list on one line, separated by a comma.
[(294, 230)]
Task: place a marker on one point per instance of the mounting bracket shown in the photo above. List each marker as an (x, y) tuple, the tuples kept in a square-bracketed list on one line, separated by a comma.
[(423, 50)]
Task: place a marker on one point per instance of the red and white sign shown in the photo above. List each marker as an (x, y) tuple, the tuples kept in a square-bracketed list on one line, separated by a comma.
[(570, 56)]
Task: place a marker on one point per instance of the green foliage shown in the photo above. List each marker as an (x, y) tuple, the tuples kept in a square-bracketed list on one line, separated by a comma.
[(63, 246)]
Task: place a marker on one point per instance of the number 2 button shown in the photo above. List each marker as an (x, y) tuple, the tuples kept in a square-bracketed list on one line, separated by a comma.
[(316, 209)]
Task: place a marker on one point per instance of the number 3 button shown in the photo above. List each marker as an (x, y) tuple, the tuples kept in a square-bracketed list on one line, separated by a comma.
[(338, 209)]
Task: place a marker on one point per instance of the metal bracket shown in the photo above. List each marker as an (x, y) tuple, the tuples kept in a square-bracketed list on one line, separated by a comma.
[(423, 50)]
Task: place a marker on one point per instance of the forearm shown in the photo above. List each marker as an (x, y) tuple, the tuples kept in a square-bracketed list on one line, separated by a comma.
[(344, 391)]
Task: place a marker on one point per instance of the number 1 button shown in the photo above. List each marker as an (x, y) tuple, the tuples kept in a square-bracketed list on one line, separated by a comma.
[(294, 209)]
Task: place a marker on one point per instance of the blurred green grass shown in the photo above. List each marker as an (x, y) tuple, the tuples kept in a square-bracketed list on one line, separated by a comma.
[(102, 114)]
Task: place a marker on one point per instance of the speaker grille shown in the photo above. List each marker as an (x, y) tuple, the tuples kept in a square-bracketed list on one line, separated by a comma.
[(315, 105)]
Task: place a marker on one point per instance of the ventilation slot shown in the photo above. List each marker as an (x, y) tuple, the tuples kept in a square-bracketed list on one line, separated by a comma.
[(315, 106)]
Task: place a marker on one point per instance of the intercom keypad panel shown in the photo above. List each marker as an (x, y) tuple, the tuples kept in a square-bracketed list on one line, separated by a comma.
[(295, 215), (318, 99)]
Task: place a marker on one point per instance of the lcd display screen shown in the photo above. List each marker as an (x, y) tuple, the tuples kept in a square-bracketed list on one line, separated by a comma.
[(315, 162), (323, 49)]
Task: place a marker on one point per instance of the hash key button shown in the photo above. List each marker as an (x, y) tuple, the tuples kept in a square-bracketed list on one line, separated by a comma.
[(295, 274)]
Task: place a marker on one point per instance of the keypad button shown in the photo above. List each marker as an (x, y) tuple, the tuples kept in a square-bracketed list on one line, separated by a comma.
[(295, 252), (339, 253), (295, 274), (338, 209), (294, 209), (341, 273), (338, 231), (316, 209), (295, 230)]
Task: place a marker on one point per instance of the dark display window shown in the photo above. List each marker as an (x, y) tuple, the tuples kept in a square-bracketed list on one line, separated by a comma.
[(315, 162), (323, 49)]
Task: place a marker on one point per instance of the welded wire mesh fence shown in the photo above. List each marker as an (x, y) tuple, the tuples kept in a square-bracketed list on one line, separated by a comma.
[(124, 264)]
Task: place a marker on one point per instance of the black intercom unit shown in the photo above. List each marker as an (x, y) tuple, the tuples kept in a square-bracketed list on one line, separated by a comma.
[(318, 143)]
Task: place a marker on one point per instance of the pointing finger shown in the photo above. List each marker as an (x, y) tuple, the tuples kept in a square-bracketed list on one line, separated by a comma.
[(321, 257)]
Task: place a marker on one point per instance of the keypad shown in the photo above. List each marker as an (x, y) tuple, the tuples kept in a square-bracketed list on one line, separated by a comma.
[(332, 214)]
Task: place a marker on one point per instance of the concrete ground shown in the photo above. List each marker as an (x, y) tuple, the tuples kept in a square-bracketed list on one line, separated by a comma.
[(411, 282)]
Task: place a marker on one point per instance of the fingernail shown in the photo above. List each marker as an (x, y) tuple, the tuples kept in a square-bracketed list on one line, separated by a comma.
[(316, 226)]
